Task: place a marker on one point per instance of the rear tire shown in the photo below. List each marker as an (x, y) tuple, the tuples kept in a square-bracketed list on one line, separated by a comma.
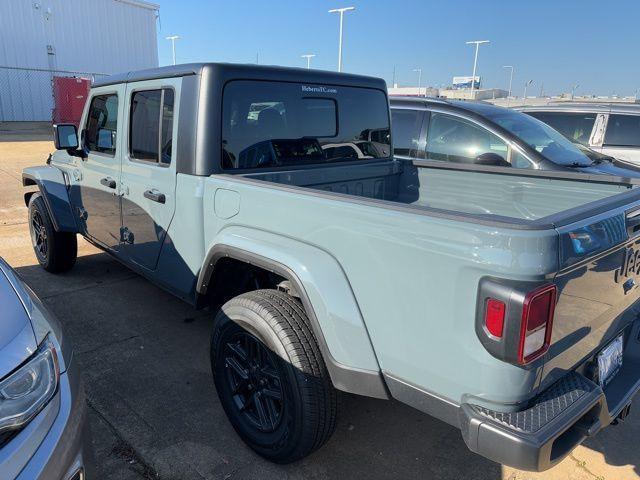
[(56, 251), (270, 376)]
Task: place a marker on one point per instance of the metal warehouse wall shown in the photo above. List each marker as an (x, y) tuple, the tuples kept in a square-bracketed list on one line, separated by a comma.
[(88, 36)]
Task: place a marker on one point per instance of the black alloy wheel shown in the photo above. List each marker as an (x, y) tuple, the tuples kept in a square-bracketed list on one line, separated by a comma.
[(253, 378), (39, 236)]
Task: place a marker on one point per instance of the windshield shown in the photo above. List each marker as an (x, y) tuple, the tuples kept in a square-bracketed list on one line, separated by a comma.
[(278, 124), (539, 136)]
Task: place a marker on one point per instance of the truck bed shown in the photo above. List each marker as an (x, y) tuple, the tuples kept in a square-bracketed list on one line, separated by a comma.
[(518, 195), (426, 235)]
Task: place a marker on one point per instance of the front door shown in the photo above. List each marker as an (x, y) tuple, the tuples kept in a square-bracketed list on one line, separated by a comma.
[(95, 192), (149, 168)]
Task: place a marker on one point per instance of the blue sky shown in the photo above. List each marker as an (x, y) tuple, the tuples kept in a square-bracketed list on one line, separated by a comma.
[(555, 43)]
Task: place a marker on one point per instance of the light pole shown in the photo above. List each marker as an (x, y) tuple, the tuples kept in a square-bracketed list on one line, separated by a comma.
[(573, 90), (341, 12), (173, 39), (308, 56), (526, 85), (419, 70), (477, 43), (510, 78)]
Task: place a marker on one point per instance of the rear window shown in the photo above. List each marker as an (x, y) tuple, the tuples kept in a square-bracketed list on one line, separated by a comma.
[(623, 131), (273, 124), (576, 127)]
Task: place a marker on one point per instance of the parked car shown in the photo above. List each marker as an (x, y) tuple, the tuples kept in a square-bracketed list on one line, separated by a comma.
[(43, 416), (503, 303), (483, 134), (611, 129)]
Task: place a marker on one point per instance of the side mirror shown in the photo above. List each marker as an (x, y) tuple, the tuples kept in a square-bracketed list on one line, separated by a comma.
[(492, 159), (65, 136)]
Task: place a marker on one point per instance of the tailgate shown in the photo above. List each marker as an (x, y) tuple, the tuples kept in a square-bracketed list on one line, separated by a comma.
[(597, 287)]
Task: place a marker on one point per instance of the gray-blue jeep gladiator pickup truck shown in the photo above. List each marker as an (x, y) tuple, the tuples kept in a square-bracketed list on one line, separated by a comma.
[(501, 301)]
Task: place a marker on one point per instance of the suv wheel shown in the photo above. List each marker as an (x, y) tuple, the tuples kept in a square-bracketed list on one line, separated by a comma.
[(56, 251), (270, 376)]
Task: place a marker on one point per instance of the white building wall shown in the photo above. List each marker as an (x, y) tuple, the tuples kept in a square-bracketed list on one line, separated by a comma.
[(88, 36)]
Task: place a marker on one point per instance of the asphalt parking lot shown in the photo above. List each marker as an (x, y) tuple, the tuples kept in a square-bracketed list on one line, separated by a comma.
[(153, 409)]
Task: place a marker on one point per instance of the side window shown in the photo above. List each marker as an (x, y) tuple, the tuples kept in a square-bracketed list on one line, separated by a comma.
[(102, 124), (406, 125), (151, 126), (453, 139), (577, 127), (166, 134), (518, 160), (623, 131)]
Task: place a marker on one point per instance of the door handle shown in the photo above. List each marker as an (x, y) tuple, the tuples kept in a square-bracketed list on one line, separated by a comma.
[(154, 196), (108, 182)]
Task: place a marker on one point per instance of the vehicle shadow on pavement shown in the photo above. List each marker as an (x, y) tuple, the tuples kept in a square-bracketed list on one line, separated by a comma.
[(619, 443), (145, 360)]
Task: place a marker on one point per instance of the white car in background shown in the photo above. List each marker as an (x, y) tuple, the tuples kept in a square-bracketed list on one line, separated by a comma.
[(611, 129)]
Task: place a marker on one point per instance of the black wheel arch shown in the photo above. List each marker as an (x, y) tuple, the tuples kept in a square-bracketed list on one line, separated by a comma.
[(343, 377), (52, 186)]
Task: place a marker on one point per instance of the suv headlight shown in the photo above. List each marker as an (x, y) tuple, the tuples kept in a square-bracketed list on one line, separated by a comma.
[(27, 390)]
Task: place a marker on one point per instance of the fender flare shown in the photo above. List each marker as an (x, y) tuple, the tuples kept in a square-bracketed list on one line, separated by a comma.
[(363, 379), (52, 185)]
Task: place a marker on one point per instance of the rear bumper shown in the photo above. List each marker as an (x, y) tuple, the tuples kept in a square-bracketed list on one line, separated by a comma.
[(556, 421)]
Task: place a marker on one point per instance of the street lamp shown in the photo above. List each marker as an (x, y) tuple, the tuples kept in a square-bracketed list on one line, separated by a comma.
[(573, 90), (477, 43), (173, 39), (341, 12), (308, 56), (419, 70), (510, 77), (526, 85)]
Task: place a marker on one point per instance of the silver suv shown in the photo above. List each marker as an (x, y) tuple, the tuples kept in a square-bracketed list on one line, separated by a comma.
[(43, 416), (485, 135), (611, 129)]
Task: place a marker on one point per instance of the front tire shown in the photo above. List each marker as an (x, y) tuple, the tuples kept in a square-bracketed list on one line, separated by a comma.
[(56, 251), (270, 376)]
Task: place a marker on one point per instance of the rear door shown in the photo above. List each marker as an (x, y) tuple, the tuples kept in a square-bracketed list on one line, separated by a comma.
[(95, 190), (149, 168)]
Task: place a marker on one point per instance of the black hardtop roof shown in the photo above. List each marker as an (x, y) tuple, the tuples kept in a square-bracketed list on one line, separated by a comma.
[(236, 71)]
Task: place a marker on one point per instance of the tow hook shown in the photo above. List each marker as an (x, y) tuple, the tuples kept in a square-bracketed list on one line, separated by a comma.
[(624, 413)]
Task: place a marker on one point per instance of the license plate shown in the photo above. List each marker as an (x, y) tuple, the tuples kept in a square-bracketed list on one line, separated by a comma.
[(610, 361)]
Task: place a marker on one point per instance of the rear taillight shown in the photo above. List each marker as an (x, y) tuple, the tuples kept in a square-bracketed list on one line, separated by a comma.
[(537, 322), (494, 317)]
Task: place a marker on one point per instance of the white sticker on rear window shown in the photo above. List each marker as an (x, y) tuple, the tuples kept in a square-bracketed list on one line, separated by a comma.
[(318, 89)]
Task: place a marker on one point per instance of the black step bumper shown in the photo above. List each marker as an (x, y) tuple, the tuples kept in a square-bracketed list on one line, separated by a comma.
[(555, 422)]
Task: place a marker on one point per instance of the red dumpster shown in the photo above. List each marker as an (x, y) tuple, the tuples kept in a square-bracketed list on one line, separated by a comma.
[(69, 97)]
